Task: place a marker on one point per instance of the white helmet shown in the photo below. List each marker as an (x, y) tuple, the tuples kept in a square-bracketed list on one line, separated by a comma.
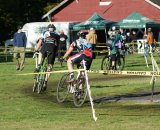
[(113, 28)]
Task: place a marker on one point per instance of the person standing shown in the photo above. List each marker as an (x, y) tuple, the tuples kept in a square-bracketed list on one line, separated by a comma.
[(19, 42), (62, 44), (92, 38), (150, 38)]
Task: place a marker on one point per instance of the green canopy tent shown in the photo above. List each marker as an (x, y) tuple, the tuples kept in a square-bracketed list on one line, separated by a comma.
[(95, 21), (135, 20)]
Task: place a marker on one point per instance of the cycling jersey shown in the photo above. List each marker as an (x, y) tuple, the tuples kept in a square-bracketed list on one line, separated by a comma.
[(50, 37), (83, 47)]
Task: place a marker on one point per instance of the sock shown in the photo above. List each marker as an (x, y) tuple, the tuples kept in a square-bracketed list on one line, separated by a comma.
[(71, 75)]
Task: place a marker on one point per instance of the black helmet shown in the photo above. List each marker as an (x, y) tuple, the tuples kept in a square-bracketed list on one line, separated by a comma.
[(81, 34), (52, 26)]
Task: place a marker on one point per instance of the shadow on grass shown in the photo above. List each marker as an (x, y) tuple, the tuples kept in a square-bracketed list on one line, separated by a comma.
[(107, 86), (126, 97), (49, 95), (138, 65)]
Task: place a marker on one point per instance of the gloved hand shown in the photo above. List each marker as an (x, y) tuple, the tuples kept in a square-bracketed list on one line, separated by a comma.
[(61, 60)]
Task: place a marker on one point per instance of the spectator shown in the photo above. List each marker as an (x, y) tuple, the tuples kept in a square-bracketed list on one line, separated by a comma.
[(150, 37), (19, 42), (92, 38), (128, 37), (62, 44), (133, 36)]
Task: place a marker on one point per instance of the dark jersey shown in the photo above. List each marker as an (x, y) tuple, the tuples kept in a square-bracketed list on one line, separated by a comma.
[(51, 37)]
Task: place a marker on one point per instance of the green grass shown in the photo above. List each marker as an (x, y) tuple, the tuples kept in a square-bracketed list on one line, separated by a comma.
[(21, 109)]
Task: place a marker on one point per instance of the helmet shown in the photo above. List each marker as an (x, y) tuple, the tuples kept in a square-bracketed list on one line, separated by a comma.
[(52, 26), (81, 34), (113, 28)]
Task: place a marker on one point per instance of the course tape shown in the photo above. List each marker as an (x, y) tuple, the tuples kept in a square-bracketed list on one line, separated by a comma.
[(114, 72), (139, 73), (61, 71)]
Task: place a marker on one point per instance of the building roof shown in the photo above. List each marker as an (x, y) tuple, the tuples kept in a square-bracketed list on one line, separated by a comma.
[(114, 10)]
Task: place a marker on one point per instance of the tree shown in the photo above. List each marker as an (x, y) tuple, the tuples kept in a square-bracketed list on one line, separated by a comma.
[(15, 12)]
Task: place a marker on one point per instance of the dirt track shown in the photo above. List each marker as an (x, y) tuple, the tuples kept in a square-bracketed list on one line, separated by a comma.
[(144, 96)]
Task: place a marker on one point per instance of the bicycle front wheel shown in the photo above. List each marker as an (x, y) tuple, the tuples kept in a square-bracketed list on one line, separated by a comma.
[(41, 80), (120, 63), (35, 85), (63, 88), (80, 93), (105, 64)]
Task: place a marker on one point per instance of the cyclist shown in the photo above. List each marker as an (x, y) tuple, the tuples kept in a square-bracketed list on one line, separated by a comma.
[(115, 46), (50, 40), (84, 52)]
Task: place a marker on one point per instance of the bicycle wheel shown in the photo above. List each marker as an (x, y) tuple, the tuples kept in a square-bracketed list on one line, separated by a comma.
[(63, 88), (105, 64), (40, 86), (80, 95), (41, 80), (35, 85), (120, 63)]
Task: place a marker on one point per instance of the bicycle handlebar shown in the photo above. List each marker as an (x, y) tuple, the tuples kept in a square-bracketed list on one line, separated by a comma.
[(36, 53)]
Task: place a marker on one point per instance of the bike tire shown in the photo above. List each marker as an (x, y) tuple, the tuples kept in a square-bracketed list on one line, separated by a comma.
[(35, 86), (41, 80), (40, 86), (80, 99), (105, 64), (120, 63), (63, 88)]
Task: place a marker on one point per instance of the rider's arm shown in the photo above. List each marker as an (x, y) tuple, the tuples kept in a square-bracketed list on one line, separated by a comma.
[(39, 44), (71, 48)]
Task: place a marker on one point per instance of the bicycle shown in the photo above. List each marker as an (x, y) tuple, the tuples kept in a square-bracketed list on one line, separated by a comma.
[(40, 78), (78, 87), (106, 63)]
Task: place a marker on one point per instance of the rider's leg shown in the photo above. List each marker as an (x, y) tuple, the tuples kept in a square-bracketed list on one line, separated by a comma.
[(49, 69), (69, 65), (40, 55), (70, 68), (40, 58), (113, 59)]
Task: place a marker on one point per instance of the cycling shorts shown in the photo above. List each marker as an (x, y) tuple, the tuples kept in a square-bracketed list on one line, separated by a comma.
[(77, 58), (52, 49)]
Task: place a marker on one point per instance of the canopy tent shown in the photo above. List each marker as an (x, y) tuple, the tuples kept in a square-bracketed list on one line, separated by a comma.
[(135, 20), (95, 21)]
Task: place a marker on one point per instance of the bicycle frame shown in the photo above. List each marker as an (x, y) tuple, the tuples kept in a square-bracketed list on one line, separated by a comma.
[(40, 78), (35, 56)]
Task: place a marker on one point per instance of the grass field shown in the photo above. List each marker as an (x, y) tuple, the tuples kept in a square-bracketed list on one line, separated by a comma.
[(21, 109)]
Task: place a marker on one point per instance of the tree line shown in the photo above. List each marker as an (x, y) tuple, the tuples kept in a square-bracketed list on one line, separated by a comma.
[(19, 12)]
